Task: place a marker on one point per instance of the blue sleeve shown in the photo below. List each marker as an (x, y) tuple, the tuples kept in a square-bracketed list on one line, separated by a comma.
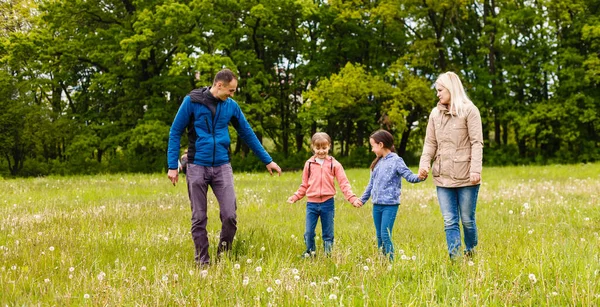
[(367, 194), (246, 133), (181, 121), (405, 172)]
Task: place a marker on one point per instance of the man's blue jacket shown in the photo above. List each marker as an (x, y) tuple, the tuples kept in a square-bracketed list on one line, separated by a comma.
[(206, 119)]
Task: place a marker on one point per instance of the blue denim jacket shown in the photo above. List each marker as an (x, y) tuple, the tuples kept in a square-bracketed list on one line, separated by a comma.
[(386, 180)]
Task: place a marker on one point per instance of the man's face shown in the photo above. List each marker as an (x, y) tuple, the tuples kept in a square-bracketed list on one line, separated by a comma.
[(225, 91)]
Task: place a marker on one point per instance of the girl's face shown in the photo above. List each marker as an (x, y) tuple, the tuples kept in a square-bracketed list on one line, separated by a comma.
[(321, 150), (377, 148), (443, 94)]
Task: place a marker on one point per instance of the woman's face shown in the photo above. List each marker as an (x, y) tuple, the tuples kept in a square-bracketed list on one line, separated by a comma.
[(443, 94)]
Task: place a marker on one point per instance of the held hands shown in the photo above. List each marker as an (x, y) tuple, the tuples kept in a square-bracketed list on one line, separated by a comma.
[(273, 167), (423, 173), (357, 203), (475, 178), (173, 175), (291, 199)]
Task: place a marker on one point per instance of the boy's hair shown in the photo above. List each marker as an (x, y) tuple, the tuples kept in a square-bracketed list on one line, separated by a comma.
[(458, 98), (320, 139), (382, 136), (224, 76)]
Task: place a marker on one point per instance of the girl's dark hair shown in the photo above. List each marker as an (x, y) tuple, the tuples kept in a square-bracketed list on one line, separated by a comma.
[(382, 136)]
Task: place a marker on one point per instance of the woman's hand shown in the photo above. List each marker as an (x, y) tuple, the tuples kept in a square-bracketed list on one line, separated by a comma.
[(475, 178)]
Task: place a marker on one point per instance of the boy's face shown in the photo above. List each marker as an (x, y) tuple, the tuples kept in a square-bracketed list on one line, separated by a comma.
[(321, 151)]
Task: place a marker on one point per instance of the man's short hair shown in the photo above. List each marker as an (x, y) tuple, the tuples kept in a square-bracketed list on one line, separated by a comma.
[(224, 76)]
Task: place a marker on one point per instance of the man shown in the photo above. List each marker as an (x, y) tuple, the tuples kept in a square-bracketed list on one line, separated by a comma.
[(205, 113)]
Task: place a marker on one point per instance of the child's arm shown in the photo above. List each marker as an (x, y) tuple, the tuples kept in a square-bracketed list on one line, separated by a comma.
[(340, 175), (367, 194), (405, 172), (303, 186)]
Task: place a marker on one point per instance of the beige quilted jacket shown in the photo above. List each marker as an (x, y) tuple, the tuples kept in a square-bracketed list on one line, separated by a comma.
[(455, 144)]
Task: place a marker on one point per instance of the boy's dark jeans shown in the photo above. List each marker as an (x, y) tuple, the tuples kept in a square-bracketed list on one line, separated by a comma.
[(220, 179)]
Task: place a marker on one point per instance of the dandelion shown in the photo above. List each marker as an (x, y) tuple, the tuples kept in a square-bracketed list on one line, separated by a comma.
[(71, 269), (330, 280), (530, 231), (143, 268), (165, 278), (404, 257), (401, 252), (101, 276), (313, 284), (262, 249), (471, 263), (296, 277), (191, 272), (204, 273), (332, 296), (336, 278), (249, 261), (17, 242), (236, 266), (86, 296), (532, 278), (413, 258), (295, 271), (245, 281), (510, 212), (366, 268), (277, 282), (368, 260), (258, 269), (293, 237), (175, 277), (582, 239), (14, 267), (554, 293), (47, 280), (523, 213), (526, 206), (587, 219), (269, 289)]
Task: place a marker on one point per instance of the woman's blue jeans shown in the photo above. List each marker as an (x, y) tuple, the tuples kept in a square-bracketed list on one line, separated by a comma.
[(384, 217), (326, 211), (459, 203)]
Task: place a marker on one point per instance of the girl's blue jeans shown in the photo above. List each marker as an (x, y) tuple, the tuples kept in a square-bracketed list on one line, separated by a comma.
[(326, 211), (459, 203), (384, 217)]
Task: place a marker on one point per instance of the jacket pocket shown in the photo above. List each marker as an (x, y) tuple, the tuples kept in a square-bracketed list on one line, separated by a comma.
[(462, 166), (435, 171)]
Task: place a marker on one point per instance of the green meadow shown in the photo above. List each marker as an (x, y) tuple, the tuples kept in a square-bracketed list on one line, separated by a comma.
[(124, 240)]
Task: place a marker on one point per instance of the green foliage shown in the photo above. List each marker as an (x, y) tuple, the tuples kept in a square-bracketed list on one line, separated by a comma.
[(109, 70)]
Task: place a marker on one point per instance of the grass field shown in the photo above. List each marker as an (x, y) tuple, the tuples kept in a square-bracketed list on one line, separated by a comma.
[(114, 240)]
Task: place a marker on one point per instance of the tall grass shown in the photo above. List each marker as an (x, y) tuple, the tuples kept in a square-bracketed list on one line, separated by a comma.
[(124, 240)]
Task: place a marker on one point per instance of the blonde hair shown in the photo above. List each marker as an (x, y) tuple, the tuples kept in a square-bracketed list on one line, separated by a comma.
[(458, 97), (320, 139)]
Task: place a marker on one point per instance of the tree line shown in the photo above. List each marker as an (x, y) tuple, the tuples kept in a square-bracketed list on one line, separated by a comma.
[(92, 86)]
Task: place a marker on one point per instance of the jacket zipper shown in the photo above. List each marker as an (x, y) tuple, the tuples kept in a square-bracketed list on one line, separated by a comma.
[(213, 133)]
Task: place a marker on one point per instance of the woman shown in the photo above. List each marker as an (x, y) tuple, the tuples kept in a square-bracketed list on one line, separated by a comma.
[(454, 141)]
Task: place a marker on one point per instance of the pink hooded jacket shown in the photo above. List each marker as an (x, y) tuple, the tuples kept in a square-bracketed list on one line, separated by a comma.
[(318, 181)]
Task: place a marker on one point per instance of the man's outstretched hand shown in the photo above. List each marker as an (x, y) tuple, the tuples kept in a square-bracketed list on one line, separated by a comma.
[(273, 167)]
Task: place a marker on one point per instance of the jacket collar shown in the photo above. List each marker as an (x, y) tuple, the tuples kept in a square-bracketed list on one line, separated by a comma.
[(314, 158)]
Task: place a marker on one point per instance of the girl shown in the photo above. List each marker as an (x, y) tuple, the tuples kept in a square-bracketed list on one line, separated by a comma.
[(319, 187), (385, 184), (454, 141)]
